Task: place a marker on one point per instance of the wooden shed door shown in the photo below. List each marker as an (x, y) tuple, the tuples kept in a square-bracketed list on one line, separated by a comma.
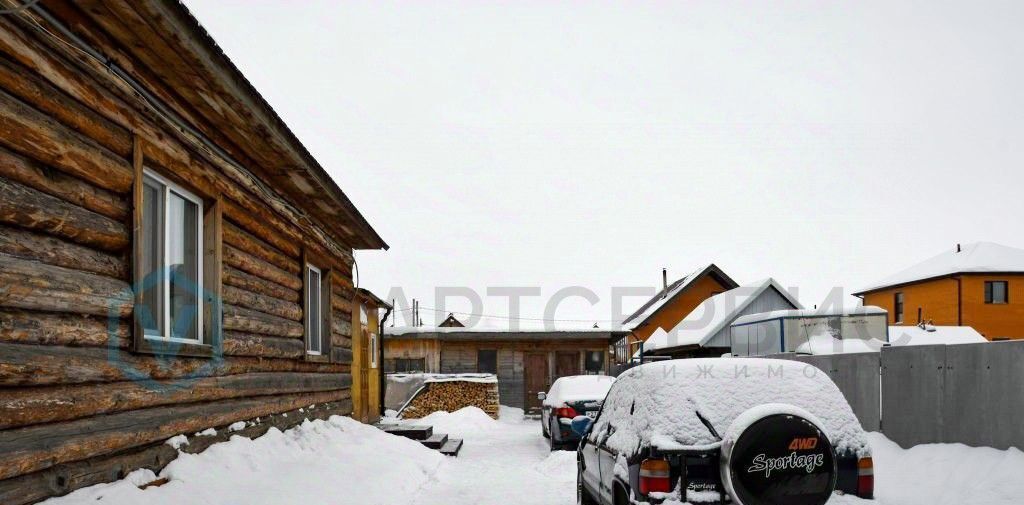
[(567, 363), (535, 380)]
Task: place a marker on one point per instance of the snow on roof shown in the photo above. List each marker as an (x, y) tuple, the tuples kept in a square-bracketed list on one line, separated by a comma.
[(972, 258), (824, 344), (806, 313), (933, 335), (657, 403), (663, 296), (712, 315), (578, 388)]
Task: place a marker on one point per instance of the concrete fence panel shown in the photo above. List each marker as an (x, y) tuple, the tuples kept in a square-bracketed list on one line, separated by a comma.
[(913, 393), (983, 402), (856, 375), (967, 393)]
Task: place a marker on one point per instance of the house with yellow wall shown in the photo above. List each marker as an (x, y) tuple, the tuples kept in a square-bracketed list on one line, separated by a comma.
[(979, 285), (367, 355), (671, 305)]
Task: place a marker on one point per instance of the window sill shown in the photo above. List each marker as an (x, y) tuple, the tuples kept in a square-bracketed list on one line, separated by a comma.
[(166, 347), (318, 358)]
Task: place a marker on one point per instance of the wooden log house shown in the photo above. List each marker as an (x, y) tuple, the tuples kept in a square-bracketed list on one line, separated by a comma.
[(171, 257)]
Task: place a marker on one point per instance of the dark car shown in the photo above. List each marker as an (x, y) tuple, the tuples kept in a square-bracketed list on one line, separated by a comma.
[(570, 397), (717, 430)]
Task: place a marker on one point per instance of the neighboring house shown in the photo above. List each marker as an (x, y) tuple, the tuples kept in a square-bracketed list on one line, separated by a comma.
[(451, 322), (172, 259), (705, 331), (980, 285), (525, 361), (669, 306), (367, 356)]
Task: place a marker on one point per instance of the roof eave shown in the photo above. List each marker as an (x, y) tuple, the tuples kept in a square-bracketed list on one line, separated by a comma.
[(863, 291)]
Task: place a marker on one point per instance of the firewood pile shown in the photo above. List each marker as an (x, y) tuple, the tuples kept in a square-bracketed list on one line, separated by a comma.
[(452, 395)]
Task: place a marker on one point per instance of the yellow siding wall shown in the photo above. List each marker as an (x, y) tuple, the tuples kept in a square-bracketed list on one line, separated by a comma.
[(373, 406), (358, 366), (939, 299), (994, 320)]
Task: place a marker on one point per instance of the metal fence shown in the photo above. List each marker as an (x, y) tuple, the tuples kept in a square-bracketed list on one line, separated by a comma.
[(967, 393)]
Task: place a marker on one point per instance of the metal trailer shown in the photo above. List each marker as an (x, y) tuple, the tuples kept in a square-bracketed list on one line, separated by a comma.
[(785, 330)]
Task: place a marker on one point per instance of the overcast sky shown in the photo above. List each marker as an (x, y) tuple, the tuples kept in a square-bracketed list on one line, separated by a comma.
[(584, 144)]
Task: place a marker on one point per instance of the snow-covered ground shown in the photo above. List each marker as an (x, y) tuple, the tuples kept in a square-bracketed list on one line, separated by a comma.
[(340, 462)]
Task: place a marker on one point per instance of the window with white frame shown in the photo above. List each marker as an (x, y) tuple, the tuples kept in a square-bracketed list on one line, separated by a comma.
[(172, 266), (373, 350), (314, 310)]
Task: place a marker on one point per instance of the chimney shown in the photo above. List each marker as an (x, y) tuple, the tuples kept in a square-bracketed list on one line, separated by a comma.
[(958, 248), (664, 282)]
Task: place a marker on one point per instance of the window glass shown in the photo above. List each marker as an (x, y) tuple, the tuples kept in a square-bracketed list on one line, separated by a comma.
[(151, 315), (373, 350), (183, 266), (313, 311), (898, 307), (487, 361), (171, 255), (595, 361), (996, 292)]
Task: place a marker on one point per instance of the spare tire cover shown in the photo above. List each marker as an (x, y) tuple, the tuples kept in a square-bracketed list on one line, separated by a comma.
[(780, 459)]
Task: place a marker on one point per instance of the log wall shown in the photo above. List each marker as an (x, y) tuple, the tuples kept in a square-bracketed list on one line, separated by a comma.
[(78, 404)]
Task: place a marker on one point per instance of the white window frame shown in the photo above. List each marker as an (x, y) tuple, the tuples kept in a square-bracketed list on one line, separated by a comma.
[(373, 350), (314, 316), (165, 292)]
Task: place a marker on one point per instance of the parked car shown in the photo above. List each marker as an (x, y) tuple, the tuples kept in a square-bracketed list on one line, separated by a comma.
[(569, 397), (741, 430)]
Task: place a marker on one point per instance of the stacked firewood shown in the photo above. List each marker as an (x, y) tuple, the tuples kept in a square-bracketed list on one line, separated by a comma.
[(450, 396)]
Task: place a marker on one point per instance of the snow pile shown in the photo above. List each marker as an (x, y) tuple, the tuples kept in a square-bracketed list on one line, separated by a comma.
[(510, 414), (177, 441), (933, 335), (556, 463), (946, 474), (821, 344), (578, 388), (338, 461), (467, 421), (660, 401)]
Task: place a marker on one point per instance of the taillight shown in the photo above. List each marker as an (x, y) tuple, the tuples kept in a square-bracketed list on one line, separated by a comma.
[(654, 476), (865, 478), (568, 412)]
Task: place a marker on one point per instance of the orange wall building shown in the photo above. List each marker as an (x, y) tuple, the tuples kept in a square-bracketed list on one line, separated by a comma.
[(979, 285), (667, 308)]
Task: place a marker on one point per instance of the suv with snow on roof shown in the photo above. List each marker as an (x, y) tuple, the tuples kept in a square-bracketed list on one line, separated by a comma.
[(740, 430)]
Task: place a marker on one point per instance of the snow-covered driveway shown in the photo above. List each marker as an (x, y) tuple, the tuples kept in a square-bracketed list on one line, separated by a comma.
[(501, 462), (342, 462)]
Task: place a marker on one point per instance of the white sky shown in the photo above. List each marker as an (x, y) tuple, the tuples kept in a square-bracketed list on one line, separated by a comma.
[(553, 145)]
